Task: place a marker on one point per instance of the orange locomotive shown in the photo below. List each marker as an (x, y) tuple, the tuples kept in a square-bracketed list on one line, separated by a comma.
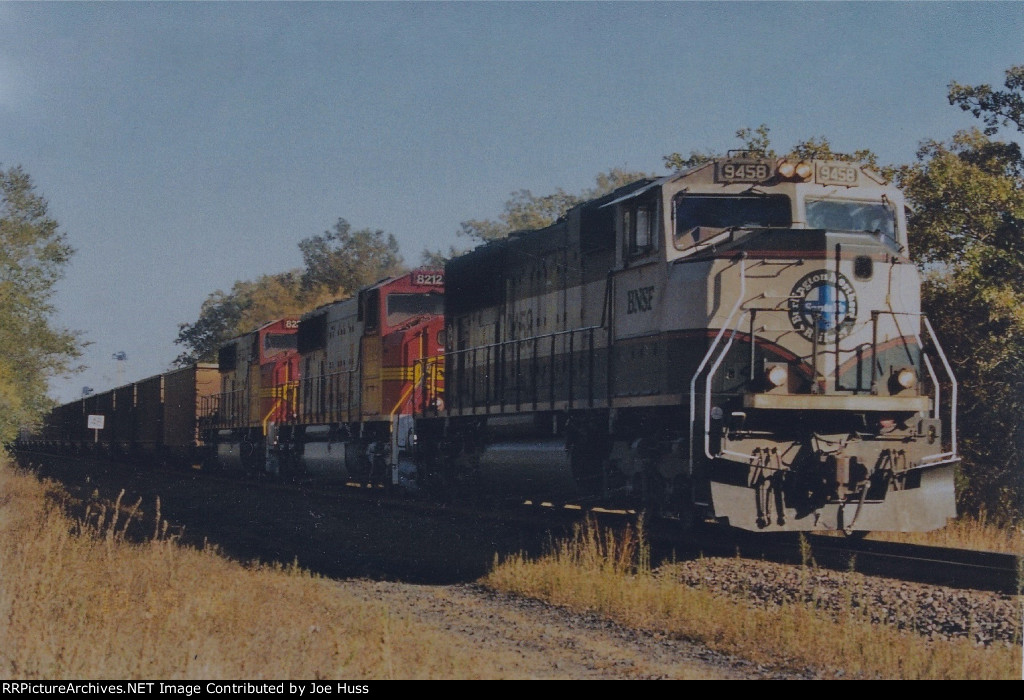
[(331, 395), (258, 378), (367, 364)]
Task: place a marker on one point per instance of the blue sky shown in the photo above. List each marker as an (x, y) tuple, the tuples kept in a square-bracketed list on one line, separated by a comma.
[(184, 146)]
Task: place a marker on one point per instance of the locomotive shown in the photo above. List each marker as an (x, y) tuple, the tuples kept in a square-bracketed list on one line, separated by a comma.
[(258, 384), (330, 395), (741, 342), (367, 364)]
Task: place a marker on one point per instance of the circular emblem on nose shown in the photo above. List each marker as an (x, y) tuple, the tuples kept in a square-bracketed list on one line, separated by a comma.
[(823, 303)]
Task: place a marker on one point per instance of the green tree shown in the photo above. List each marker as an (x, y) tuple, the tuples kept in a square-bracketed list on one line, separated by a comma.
[(527, 211), (995, 107), (337, 263), (249, 304), (341, 260), (33, 254), (820, 148), (758, 140), (968, 231), (754, 140)]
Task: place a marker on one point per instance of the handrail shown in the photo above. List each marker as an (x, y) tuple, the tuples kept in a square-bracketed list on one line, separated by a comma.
[(320, 395), (509, 354), (953, 385), (707, 388), (714, 345)]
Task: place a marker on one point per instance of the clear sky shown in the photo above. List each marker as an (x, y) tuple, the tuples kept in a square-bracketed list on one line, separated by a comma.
[(184, 146)]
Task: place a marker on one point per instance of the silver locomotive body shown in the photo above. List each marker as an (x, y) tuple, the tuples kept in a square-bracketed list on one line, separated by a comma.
[(741, 341)]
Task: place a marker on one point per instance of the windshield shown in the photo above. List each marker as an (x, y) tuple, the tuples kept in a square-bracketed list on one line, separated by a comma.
[(402, 307), (728, 211), (846, 215), (278, 342)]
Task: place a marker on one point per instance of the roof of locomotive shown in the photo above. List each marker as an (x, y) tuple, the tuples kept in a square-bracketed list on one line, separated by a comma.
[(257, 329), (354, 295), (495, 246)]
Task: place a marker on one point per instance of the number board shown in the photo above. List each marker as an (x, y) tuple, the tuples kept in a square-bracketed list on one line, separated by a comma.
[(836, 174), (428, 279), (744, 171)]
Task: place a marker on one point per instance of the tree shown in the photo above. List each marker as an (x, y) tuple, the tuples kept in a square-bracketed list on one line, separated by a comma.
[(225, 315), (33, 254), (337, 263), (754, 140), (995, 107), (820, 148), (758, 141), (527, 211), (968, 233), (341, 260)]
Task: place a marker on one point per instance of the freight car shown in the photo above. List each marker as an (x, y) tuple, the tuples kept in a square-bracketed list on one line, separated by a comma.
[(741, 341), (151, 421)]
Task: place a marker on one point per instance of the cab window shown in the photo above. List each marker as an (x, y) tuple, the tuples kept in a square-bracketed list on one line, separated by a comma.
[(274, 343), (640, 226), (402, 307)]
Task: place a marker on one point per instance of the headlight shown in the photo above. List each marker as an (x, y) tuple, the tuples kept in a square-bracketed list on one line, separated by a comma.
[(906, 378), (799, 171), (777, 375)]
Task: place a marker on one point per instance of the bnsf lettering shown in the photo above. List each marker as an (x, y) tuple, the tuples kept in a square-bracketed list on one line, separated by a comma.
[(639, 301), (429, 279)]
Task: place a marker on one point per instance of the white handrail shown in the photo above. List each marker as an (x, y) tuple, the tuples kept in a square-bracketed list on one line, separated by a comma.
[(711, 350), (952, 380)]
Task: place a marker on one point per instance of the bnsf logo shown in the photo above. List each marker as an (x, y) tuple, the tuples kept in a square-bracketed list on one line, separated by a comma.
[(639, 300), (428, 279)]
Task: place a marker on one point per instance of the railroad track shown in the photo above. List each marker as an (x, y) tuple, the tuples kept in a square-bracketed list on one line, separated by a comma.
[(997, 572), (959, 568)]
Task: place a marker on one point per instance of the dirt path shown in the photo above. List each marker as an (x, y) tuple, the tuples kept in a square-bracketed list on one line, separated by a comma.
[(529, 639)]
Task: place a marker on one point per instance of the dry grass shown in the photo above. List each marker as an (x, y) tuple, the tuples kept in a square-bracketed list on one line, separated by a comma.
[(78, 601), (965, 532), (594, 571)]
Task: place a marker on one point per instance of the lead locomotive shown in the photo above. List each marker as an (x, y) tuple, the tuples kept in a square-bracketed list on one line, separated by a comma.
[(741, 341)]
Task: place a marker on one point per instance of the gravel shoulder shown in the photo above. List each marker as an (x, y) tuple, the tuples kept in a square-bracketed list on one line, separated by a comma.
[(529, 639)]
